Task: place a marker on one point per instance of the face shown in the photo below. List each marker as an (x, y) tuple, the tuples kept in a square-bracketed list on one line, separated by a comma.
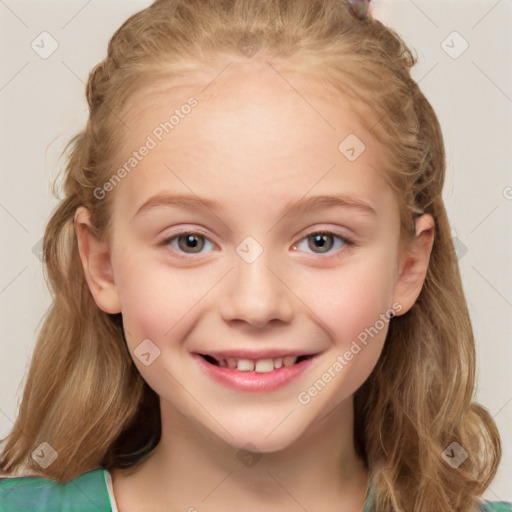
[(253, 308)]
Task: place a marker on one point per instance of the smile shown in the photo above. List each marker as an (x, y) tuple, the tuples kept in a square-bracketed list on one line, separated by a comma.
[(256, 365), (253, 374)]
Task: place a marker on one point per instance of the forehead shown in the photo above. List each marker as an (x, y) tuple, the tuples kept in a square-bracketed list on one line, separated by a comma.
[(257, 128), (259, 87)]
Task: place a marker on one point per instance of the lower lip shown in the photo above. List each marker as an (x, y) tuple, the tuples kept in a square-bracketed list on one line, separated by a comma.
[(252, 381)]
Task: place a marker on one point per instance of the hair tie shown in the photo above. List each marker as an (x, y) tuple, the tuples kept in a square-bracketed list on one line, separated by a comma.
[(359, 8)]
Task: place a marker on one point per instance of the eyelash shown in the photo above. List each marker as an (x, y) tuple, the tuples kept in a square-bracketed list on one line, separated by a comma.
[(347, 241)]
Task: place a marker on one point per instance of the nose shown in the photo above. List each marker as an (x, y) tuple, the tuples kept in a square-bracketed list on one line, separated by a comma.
[(256, 294)]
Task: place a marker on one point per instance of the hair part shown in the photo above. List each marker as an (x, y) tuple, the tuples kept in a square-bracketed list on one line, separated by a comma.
[(84, 395)]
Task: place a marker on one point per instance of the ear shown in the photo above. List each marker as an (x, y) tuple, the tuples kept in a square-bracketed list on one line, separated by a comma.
[(413, 265), (95, 256)]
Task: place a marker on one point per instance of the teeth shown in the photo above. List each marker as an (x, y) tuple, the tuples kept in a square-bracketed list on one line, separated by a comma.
[(264, 365), (245, 365), (259, 366), (289, 360)]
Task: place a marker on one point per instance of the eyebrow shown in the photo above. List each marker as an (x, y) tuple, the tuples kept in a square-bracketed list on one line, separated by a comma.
[(302, 206), (294, 208)]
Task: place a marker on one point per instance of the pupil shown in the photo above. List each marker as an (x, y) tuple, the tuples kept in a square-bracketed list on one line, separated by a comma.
[(191, 242), (320, 240)]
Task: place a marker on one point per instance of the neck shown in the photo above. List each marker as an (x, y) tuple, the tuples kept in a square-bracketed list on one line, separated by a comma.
[(191, 467)]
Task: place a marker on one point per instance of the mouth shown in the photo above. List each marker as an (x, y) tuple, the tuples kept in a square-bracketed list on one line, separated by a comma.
[(255, 372), (260, 365)]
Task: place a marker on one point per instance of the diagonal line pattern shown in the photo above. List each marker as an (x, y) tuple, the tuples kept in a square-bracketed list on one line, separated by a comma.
[(485, 15), (327, 414), (280, 423), (75, 15), (428, 72), (10, 421), (492, 211), (14, 218), (214, 285), (209, 209), (492, 81), (286, 491), (216, 76), (88, 497), (394, 105), (12, 280), (326, 327), (217, 486), (424, 13), (502, 407), (2, 1), (14, 76), (493, 417), (496, 497), (301, 95), (493, 287), (198, 402), (306, 193), (106, 104)]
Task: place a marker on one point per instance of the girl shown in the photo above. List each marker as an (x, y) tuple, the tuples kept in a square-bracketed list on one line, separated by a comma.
[(257, 302)]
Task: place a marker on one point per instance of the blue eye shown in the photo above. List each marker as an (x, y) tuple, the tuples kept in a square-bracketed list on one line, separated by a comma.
[(324, 241), (188, 242)]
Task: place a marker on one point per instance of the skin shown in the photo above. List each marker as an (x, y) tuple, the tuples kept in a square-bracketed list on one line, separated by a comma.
[(254, 145)]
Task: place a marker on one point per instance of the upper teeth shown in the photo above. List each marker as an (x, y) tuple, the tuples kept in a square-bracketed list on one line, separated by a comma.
[(258, 365)]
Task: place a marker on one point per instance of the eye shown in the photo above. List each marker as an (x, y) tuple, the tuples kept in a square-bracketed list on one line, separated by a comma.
[(188, 242), (321, 242)]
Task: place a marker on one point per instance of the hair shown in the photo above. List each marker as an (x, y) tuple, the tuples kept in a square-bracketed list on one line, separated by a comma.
[(84, 395)]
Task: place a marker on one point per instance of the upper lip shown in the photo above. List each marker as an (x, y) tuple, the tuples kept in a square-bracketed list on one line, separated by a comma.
[(256, 354)]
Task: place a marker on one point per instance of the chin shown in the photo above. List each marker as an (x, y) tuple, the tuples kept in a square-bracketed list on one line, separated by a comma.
[(259, 437)]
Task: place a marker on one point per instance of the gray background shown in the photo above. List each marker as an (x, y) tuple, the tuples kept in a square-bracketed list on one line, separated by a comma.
[(43, 104)]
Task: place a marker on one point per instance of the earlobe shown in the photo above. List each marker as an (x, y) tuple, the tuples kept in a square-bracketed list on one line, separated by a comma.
[(414, 264), (96, 262)]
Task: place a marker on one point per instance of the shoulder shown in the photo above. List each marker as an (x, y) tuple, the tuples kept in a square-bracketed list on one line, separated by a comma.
[(496, 506), (88, 492)]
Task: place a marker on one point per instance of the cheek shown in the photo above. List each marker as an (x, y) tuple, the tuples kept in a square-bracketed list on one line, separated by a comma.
[(156, 299), (351, 298), (354, 306), (143, 302)]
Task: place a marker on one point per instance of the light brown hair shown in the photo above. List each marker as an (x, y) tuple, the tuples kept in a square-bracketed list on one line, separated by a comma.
[(85, 397)]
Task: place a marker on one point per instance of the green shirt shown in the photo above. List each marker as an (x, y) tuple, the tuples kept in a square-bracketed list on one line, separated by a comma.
[(92, 492)]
